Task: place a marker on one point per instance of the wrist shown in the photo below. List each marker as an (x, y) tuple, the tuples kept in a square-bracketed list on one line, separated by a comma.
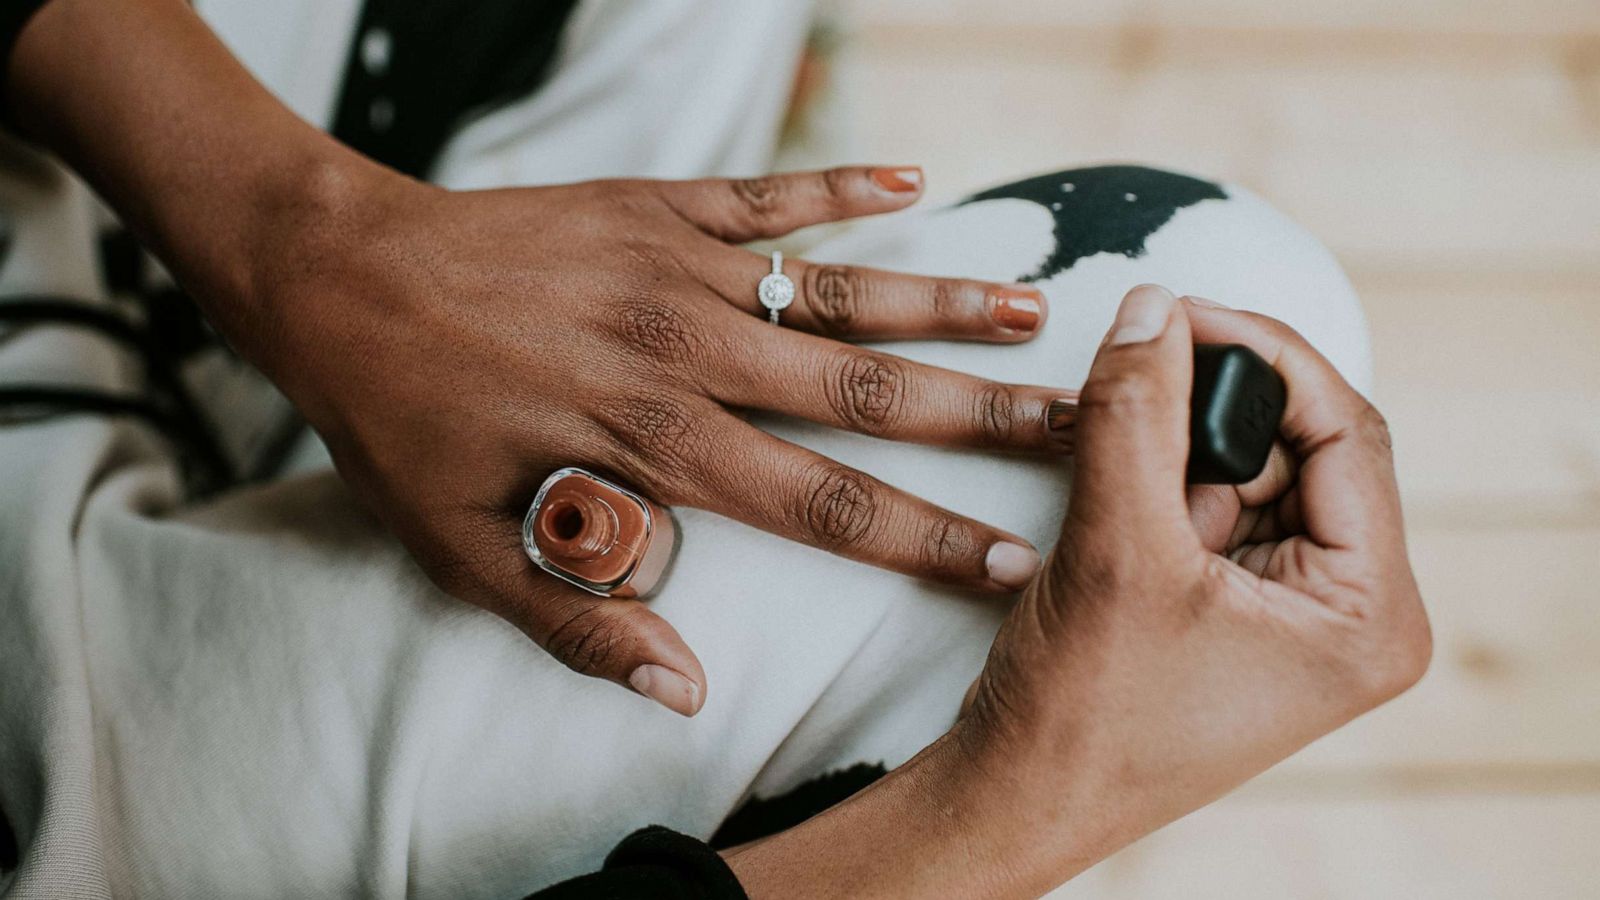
[(1044, 810), (316, 261), (203, 163), (298, 223), (957, 820)]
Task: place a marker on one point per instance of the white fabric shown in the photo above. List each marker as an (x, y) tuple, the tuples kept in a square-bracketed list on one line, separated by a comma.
[(262, 696), (664, 89)]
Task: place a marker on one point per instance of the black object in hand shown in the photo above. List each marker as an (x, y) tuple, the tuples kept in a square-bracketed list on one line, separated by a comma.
[(1234, 412)]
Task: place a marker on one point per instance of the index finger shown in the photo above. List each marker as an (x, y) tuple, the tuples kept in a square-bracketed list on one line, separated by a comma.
[(738, 210), (1347, 482)]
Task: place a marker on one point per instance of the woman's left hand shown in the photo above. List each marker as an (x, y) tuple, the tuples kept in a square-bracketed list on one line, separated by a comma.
[(1156, 663), (455, 347)]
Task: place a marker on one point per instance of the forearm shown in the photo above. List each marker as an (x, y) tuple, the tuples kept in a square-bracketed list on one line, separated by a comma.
[(949, 823), (196, 156)]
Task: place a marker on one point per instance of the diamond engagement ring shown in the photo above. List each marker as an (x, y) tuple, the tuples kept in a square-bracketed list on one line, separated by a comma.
[(776, 291)]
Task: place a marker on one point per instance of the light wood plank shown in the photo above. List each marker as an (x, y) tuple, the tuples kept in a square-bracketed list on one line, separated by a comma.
[(1428, 16), (1399, 160), (1492, 388), (1516, 618), (1449, 152), (1458, 847)]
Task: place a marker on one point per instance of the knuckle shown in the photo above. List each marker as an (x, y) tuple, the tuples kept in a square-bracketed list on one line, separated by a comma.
[(1196, 600), (835, 295), (461, 553), (1374, 428), (452, 571), (1400, 658), (1122, 394), (1280, 330), (837, 186), (648, 256), (759, 198), (838, 508), (661, 432), (1082, 569), (624, 196), (950, 302), (951, 548), (995, 416), (658, 330), (1417, 651), (867, 391), (587, 640)]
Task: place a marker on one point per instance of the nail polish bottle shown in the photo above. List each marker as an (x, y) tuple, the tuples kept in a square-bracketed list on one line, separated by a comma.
[(1236, 407), (598, 535)]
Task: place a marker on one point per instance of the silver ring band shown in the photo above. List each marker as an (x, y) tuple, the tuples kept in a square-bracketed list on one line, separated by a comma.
[(776, 291)]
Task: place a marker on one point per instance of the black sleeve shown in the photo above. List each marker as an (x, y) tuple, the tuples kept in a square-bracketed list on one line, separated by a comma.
[(14, 16), (653, 862)]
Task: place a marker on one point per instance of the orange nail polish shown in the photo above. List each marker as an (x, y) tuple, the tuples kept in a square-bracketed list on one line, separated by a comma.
[(598, 535), (1017, 310), (898, 181)]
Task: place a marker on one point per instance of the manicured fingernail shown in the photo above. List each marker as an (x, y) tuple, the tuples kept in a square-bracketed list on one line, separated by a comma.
[(1209, 304), (1059, 417), (666, 687), (1012, 565), (1143, 314), (898, 181), (1016, 308)]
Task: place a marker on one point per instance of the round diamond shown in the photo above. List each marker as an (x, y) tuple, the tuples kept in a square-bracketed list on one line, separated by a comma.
[(776, 291)]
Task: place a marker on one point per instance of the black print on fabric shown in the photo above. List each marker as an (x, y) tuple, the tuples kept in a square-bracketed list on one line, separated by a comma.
[(1104, 209)]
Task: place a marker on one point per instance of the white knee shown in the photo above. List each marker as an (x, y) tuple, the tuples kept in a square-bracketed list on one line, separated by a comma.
[(1087, 235)]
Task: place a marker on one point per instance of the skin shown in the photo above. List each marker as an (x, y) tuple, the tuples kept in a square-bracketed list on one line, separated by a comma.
[(1178, 642), (453, 348)]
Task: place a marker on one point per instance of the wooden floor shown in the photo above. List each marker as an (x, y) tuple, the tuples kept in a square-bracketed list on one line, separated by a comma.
[(1449, 152)]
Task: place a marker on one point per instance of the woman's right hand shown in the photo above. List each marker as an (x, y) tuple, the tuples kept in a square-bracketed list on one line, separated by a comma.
[(1177, 643)]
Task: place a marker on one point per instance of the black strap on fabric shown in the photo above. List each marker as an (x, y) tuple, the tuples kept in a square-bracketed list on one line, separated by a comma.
[(174, 325), (419, 69), (654, 862), (169, 408)]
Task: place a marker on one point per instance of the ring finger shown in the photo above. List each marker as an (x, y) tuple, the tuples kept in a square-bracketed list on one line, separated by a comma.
[(856, 303)]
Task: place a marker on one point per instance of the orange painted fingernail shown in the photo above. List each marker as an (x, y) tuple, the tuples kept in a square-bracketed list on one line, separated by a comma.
[(1017, 309), (898, 181)]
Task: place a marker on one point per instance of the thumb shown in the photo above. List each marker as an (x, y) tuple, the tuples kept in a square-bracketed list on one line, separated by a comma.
[(619, 640), (1132, 431)]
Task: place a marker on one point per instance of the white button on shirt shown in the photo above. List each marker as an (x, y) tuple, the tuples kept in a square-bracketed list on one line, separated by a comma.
[(377, 47)]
